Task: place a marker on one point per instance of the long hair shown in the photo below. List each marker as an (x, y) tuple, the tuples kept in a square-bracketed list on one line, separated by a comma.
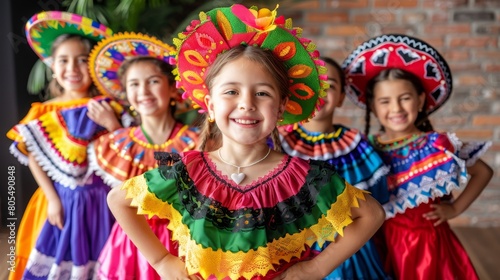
[(210, 136), (54, 88), (422, 122)]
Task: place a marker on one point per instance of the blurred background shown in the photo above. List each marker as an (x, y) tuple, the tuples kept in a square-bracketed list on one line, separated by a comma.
[(465, 32)]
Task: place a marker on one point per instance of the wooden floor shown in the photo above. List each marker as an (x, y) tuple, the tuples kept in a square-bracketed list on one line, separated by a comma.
[(482, 245)]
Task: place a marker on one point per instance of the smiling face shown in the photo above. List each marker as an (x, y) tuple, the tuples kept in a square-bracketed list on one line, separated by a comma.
[(396, 104), (334, 95), (70, 67), (148, 89), (245, 101)]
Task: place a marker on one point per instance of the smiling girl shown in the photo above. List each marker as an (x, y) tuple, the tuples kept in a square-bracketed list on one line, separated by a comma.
[(402, 80), (141, 67), (238, 209)]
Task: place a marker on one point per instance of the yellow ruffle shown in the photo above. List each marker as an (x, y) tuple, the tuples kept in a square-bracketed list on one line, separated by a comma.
[(247, 264), (36, 111), (58, 135)]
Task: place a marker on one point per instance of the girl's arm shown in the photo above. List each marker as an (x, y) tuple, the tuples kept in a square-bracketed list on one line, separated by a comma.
[(55, 213), (138, 230), (366, 221), (480, 174)]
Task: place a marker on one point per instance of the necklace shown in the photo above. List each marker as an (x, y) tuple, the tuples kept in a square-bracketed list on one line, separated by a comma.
[(238, 177)]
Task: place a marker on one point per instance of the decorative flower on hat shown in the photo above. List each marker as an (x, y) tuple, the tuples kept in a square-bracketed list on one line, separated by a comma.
[(223, 28), (262, 19)]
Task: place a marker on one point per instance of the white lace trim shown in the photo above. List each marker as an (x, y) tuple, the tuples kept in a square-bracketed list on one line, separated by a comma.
[(95, 168), (471, 146), (41, 265), (428, 188), (22, 158), (50, 161)]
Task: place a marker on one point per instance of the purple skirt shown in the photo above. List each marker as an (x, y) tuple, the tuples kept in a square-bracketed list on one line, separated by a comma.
[(71, 253)]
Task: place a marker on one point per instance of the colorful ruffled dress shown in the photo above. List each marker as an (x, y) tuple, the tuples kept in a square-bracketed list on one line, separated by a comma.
[(58, 140), (227, 231), (116, 157), (425, 168), (35, 213), (360, 165)]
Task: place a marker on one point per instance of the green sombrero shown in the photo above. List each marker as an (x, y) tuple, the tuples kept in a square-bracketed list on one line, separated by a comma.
[(43, 28)]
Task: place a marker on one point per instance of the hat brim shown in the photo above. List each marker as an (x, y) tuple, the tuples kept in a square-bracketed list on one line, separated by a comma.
[(403, 52), (43, 28), (109, 54)]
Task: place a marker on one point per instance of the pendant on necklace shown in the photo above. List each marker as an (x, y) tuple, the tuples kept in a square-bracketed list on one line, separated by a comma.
[(237, 177)]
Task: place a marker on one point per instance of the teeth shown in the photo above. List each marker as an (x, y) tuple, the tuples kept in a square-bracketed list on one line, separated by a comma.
[(245, 121)]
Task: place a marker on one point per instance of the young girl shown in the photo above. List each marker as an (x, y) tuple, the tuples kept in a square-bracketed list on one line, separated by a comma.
[(140, 65), (402, 80), (352, 156), (240, 210), (55, 147)]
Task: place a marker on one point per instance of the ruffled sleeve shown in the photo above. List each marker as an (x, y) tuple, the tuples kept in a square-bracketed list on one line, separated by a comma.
[(18, 147), (58, 140), (125, 153), (226, 232), (423, 167), (469, 151)]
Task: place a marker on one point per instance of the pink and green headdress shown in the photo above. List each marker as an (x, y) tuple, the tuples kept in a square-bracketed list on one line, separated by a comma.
[(43, 28), (224, 28)]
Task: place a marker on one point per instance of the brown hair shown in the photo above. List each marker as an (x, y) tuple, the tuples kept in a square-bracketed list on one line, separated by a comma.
[(422, 122), (210, 132), (54, 88), (337, 67), (165, 69)]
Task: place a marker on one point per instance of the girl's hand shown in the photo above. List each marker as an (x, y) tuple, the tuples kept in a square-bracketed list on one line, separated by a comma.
[(442, 212), (299, 271), (55, 213), (103, 114), (173, 268)]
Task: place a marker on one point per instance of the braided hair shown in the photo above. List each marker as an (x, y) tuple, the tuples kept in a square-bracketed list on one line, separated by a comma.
[(422, 122)]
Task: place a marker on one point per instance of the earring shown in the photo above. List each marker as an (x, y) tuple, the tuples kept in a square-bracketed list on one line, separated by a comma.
[(280, 119), (210, 120), (53, 76), (172, 103)]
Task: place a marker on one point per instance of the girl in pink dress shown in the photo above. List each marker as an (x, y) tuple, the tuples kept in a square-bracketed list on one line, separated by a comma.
[(139, 65)]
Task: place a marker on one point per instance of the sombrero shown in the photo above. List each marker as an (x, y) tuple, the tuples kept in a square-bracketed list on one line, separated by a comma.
[(43, 28), (223, 28), (108, 55), (398, 51)]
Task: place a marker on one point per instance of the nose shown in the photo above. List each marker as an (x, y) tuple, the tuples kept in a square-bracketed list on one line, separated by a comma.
[(143, 89), (396, 106), (246, 102), (72, 65)]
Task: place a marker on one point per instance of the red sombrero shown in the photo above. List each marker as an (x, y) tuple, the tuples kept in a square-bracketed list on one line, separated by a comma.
[(398, 51)]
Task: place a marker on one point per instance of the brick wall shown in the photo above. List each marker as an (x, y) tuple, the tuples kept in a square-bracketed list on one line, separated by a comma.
[(465, 32)]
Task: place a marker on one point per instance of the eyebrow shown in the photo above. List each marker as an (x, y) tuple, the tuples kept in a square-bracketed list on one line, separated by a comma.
[(152, 76), (258, 84), (332, 79)]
